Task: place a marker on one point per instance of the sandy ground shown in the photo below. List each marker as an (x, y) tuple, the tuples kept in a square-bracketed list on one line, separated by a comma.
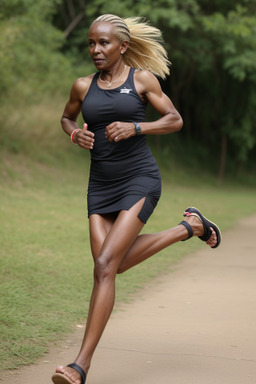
[(195, 326)]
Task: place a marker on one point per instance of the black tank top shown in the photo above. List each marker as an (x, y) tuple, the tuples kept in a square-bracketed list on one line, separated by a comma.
[(100, 108)]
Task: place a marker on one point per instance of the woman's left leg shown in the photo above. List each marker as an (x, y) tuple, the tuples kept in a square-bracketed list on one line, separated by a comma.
[(119, 237)]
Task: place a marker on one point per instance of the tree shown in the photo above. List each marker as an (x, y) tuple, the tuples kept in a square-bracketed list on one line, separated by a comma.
[(30, 47), (212, 82), (211, 45), (233, 38)]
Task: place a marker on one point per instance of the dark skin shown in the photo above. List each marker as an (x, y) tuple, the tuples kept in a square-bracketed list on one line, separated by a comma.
[(116, 242)]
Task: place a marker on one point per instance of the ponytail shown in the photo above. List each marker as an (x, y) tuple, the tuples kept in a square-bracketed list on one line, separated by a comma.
[(145, 50)]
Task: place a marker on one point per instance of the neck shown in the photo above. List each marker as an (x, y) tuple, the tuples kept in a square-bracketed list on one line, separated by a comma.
[(109, 83), (114, 71)]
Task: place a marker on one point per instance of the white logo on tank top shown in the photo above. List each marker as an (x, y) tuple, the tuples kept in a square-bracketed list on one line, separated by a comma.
[(125, 90)]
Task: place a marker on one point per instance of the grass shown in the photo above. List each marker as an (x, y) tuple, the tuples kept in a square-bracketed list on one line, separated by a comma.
[(45, 261)]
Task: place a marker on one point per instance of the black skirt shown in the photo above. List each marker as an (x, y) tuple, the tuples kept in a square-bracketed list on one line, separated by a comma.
[(115, 186)]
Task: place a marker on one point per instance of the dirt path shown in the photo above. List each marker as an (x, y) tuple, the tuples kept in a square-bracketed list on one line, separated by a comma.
[(198, 326)]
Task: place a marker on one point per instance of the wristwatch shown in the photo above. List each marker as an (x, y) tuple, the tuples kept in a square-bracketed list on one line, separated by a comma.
[(137, 128)]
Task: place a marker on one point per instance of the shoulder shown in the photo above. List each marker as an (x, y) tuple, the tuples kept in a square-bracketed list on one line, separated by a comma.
[(144, 75), (81, 86), (146, 81)]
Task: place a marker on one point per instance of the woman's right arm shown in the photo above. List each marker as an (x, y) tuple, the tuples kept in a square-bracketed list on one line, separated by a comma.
[(83, 137)]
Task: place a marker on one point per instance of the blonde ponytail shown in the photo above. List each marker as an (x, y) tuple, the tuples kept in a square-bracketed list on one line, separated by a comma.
[(145, 50)]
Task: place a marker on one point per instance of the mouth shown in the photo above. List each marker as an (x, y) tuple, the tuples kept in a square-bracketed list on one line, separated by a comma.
[(98, 61)]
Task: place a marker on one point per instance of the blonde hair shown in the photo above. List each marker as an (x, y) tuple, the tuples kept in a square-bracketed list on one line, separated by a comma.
[(145, 50)]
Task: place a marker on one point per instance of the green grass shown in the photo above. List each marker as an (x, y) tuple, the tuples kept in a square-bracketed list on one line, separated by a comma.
[(46, 267), (45, 261)]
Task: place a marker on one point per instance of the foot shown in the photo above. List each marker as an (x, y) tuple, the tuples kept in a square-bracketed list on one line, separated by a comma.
[(198, 225), (71, 374), (198, 228)]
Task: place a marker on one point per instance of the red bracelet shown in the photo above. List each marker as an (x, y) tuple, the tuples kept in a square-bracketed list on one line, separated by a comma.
[(73, 134)]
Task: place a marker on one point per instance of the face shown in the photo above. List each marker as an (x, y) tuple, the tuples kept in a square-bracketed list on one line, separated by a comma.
[(104, 46)]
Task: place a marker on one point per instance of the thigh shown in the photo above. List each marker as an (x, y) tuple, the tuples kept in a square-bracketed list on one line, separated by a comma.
[(100, 226), (112, 236)]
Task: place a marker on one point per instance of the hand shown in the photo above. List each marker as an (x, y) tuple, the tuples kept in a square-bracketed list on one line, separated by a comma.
[(118, 131), (84, 138)]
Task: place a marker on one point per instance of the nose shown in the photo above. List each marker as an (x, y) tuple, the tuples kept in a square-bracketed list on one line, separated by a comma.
[(96, 49)]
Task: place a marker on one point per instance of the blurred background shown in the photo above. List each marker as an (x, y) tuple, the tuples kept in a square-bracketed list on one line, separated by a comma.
[(212, 47), (45, 261)]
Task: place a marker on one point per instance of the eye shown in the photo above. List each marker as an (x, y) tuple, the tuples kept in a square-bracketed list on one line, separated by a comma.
[(90, 43)]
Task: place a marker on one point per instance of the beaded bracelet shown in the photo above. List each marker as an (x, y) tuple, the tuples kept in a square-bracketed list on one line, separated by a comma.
[(73, 134)]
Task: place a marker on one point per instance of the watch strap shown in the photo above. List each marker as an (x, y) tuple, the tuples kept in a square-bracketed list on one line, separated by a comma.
[(137, 128)]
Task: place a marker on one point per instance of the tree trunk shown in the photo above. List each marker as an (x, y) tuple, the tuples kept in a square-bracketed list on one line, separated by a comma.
[(73, 24), (223, 158)]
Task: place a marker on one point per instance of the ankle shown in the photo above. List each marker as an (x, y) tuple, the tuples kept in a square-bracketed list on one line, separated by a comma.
[(196, 224), (83, 364)]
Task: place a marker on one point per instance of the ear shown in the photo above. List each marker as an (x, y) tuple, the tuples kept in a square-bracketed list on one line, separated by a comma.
[(124, 46)]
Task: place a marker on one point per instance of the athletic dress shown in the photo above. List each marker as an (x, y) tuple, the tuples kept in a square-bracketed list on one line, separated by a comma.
[(121, 173)]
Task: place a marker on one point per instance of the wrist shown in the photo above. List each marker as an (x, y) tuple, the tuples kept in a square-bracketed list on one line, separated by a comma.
[(73, 134), (137, 128)]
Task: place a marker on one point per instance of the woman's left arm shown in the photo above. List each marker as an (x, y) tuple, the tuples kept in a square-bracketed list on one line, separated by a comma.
[(149, 88)]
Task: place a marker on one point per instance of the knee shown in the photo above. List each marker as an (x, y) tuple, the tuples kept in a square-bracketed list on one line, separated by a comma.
[(104, 268)]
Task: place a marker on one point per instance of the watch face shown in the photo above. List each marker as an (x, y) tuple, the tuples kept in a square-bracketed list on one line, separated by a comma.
[(138, 129)]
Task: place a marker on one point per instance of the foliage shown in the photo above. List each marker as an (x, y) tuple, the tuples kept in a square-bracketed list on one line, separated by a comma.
[(235, 56), (43, 47), (29, 49), (212, 82)]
